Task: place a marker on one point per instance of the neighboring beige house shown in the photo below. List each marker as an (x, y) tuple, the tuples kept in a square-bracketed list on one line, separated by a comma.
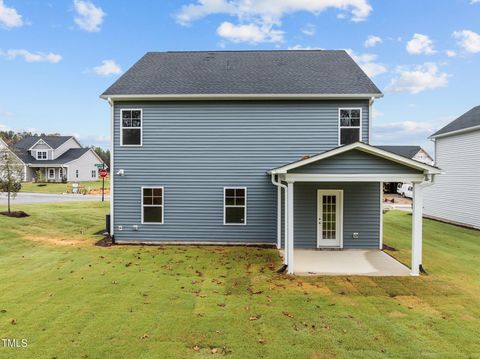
[(59, 157), (455, 196)]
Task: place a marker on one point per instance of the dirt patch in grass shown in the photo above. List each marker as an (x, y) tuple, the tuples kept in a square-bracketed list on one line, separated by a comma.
[(415, 303), (62, 241), (397, 314), (104, 242), (98, 191), (15, 214), (388, 248)]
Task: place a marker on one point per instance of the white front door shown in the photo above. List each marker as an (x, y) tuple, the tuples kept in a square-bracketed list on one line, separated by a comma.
[(329, 218)]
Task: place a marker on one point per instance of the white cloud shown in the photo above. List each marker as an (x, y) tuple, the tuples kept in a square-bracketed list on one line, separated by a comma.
[(4, 127), (372, 41), (32, 57), (9, 17), (301, 47), (368, 64), (6, 114), (309, 29), (89, 17), (420, 78), (469, 40), (420, 44), (250, 33), (451, 53), (257, 17), (107, 68), (408, 126), (376, 113), (474, 2)]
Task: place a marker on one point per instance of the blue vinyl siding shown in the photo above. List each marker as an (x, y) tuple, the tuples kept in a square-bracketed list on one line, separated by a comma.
[(355, 162), (361, 213), (194, 149)]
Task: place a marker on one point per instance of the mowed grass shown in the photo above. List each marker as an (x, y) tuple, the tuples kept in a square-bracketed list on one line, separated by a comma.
[(58, 188), (71, 299)]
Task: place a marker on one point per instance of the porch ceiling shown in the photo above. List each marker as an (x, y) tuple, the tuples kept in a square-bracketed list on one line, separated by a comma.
[(369, 262)]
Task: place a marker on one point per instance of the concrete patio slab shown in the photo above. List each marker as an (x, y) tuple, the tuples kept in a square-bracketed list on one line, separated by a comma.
[(372, 262)]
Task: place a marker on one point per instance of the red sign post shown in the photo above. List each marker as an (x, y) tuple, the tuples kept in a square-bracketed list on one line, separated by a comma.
[(103, 173)]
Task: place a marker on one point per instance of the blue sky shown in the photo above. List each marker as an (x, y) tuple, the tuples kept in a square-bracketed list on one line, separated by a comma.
[(57, 57)]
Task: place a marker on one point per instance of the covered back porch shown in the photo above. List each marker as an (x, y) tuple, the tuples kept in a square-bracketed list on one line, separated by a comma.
[(333, 201)]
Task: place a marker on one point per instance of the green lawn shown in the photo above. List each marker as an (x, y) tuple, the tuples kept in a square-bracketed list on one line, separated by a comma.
[(59, 187), (71, 299)]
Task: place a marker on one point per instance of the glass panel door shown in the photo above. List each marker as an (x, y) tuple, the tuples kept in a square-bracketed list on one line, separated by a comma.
[(329, 218)]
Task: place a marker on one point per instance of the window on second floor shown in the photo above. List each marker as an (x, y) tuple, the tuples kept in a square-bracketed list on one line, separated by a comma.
[(350, 124), (41, 155), (131, 127)]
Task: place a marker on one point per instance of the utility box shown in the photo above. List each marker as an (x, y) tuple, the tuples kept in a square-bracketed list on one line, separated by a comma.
[(107, 223)]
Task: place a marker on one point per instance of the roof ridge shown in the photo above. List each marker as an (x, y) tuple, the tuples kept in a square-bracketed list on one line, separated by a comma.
[(244, 51)]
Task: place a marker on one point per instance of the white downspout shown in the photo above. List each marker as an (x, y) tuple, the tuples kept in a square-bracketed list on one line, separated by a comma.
[(279, 216), (112, 171)]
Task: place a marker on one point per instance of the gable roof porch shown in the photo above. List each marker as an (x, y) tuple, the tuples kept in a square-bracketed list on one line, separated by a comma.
[(357, 162)]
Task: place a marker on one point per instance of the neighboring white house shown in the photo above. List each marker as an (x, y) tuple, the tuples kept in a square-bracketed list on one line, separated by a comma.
[(416, 153), (455, 196), (58, 157)]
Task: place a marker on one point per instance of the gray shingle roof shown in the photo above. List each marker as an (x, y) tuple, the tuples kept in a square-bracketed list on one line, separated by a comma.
[(52, 141), (467, 120), (244, 72), (405, 151), (70, 155)]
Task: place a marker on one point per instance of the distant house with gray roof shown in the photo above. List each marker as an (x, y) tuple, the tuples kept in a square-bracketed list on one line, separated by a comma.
[(58, 157), (416, 153), (455, 196)]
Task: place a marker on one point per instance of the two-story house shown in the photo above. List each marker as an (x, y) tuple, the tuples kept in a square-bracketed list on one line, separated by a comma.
[(58, 158), (252, 147)]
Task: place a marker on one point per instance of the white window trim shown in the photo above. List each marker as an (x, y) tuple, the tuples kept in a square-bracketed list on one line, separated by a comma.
[(225, 207), (359, 127), (94, 173), (48, 172), (132, 128), (155, 205), (77, 173), (42, 151), (60, 172)]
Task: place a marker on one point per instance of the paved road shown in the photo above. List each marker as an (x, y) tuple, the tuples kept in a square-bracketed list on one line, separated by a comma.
[(24, 197)]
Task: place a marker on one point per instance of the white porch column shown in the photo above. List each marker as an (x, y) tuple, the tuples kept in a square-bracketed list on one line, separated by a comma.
[(285, 230), (289, 246), (417, 217), (279, 217)]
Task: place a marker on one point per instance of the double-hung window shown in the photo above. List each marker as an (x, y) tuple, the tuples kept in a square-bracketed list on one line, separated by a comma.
[(152, 205), (51, 173), (94, 173), (131, 127), (41, 155), (350, 124), (235, 205)]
